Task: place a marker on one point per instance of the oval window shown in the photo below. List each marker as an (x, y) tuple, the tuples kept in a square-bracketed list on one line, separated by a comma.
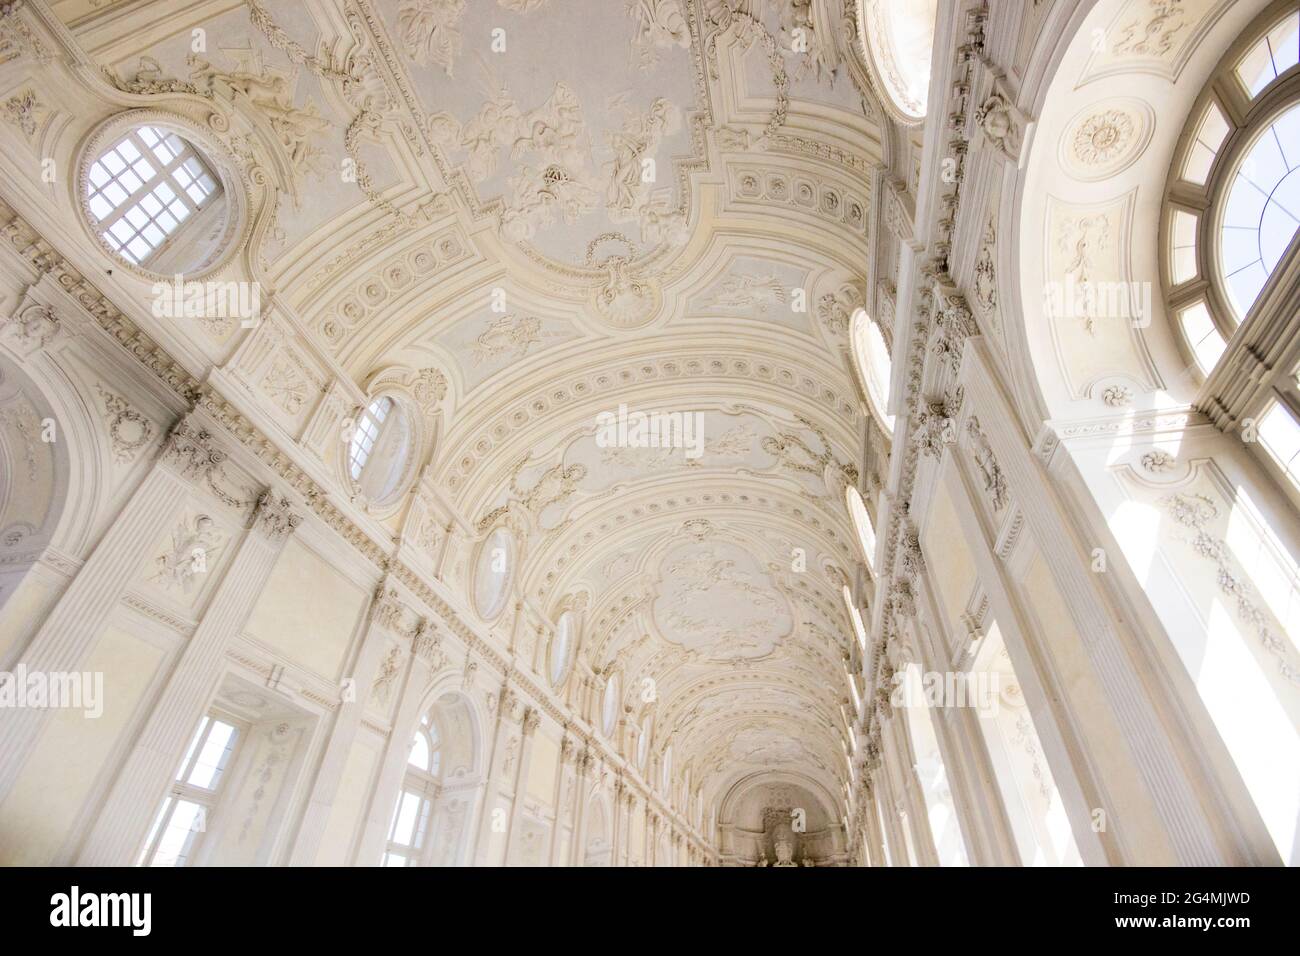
[(562, 647), (871, 359), (899, 40), (862, 525), (493, 572), (609, 705), (642, 746), (380, 452)]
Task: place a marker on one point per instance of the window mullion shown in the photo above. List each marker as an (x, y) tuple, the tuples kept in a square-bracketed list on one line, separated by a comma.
[(168, 813), (186, 770)]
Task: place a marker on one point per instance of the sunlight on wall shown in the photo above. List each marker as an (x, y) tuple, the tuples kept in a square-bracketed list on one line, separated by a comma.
[(932, 775), (1038, 819)]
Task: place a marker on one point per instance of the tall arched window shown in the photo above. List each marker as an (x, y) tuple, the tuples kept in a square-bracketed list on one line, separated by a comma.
[(1231, 255), (408, 834), (931, 774), (1023, 776), (862, 525), (1233, 200), (855, 619), (872, 363)]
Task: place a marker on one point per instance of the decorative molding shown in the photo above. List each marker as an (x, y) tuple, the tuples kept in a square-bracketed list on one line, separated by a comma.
[(274, 516), (128, 430)]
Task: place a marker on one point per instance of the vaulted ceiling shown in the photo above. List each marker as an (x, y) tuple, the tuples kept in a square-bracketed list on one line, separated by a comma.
[(561, 207)]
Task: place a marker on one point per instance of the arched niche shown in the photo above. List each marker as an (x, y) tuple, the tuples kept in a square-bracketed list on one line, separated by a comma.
[(764, 808), (49, 469)]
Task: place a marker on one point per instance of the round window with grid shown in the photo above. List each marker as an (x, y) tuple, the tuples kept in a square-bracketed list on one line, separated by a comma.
[(154, 197)]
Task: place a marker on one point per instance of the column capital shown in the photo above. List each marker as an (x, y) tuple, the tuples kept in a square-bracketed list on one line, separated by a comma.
[(387, 608), (274, 516), (510, 705), (426, 642), (191, 451), (532, 720), (32, 328)]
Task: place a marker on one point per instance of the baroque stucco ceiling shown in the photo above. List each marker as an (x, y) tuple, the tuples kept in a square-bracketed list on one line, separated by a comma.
[(498, 232)]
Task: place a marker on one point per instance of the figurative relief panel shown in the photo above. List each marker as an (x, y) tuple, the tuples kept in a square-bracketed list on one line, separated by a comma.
[(758, 289), (766, 748), (1096, 313), (186, 559), (529, 118), (631, 445), (490, 342), (715, 599), (1155, 35)]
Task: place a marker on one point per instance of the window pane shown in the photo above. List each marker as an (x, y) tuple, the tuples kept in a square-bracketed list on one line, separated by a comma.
[(188, 820), (419, 756), (862, 523), (871, 356), (1272, 56), (408, 809), (212, 758), (1262, 211), (1206, 342), (1280, 435)]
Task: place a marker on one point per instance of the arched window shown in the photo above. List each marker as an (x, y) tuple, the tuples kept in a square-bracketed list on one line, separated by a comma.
[(666, 770), (862, 525), (855, 619), (1262, 209), (1233, 200), (408, 833), (931, 774), (154, 200), (380, 452), (871, 360), (1277, 51), (1035, 807)]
